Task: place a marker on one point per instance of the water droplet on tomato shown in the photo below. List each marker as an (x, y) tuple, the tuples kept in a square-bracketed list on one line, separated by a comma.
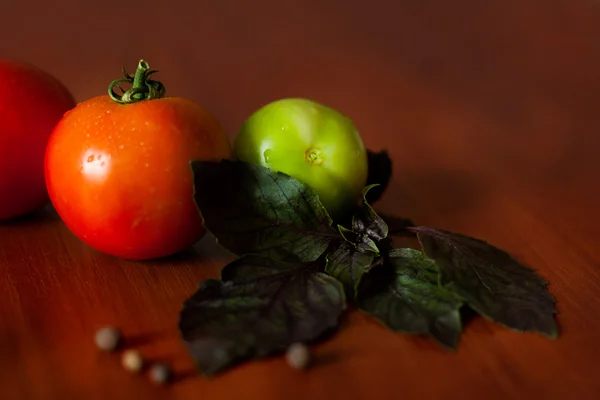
[(96, 166), (147, 165), (121, 147), (141, 143)]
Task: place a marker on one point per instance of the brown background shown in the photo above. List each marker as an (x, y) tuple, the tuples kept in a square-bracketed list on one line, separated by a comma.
[(490, 110)]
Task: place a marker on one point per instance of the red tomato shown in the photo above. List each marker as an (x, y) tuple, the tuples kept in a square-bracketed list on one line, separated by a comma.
[(119, 175), (31, 103)]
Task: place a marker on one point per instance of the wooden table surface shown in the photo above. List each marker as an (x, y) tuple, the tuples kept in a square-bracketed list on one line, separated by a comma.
[(490, 111)]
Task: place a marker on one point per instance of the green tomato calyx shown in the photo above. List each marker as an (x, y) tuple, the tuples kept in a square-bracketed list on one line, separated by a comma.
[(314, 156), (142, 87)]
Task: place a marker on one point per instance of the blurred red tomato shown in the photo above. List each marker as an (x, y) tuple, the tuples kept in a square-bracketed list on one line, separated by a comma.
[(31, 103)]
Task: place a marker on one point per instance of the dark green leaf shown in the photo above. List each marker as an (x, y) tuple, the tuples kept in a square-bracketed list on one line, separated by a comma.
[(347, 264), (380, 172), (348, 234), (366, 221), (366, 244), (361, 241), (367, 227), (251, 209), (260, 307), (491, 281), (405, 296)]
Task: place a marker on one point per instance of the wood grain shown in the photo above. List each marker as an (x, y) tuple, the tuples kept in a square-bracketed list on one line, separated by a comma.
[(490, 110)]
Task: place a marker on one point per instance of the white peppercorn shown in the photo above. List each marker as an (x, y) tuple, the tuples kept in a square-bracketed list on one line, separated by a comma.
[(132, 361), (298, 356), (108, 338), (160, 373)]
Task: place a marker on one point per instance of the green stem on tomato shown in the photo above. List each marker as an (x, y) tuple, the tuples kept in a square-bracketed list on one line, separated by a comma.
[(142, 87)]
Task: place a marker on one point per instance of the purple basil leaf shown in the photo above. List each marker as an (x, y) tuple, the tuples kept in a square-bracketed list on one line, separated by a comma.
[(492, 282), (366, 221), (404, 295), (251, 209), (259, 308), (348, 265)]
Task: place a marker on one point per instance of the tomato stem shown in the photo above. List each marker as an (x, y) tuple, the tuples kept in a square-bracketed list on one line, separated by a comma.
[(142, 87)]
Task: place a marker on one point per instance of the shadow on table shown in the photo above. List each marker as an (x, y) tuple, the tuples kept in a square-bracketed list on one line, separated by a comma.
[(45, 214), (207, 249), (434, 192), (142, 339)]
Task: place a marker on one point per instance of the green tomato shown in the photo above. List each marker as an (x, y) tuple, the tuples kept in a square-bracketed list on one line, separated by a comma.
[(311, 142)]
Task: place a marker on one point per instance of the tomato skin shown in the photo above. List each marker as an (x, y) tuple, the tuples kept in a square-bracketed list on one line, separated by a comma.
[(311, 142), (31, 103), (119, 175)]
